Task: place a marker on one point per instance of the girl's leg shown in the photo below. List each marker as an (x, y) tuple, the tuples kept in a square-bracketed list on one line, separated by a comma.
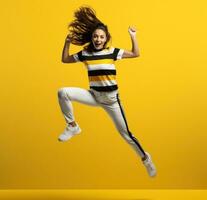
[(68, 94), (116, 112)]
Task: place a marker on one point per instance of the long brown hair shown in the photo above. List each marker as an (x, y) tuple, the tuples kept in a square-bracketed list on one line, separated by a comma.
[(83, 26)]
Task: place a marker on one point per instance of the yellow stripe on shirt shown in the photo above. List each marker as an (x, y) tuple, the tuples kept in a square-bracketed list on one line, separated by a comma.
[(102, 78)]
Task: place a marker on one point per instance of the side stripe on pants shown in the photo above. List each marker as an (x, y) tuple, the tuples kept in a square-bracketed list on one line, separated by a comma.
[(130, 134)]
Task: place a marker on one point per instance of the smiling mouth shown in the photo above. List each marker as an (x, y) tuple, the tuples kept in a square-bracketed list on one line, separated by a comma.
[(98, 46)]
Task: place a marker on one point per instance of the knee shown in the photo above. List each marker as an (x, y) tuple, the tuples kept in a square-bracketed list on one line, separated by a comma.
[(124, 133), (62, 94), (127, 136)]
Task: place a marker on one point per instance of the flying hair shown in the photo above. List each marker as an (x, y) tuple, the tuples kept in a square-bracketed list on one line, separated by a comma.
[(83, 26)]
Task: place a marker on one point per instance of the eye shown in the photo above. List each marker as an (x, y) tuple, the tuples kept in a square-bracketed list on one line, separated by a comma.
[(95, 36)]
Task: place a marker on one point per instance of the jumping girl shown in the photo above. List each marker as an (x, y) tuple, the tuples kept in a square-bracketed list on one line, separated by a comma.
[(86, 29)]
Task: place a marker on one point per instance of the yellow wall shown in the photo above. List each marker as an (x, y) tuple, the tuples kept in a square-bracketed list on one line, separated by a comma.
[(163, 93)]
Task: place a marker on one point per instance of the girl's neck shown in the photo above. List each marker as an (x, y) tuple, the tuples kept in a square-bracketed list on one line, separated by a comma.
[(97, 50)]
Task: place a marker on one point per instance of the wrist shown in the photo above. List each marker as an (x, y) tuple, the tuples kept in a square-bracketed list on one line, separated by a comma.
[(133, 35), (67, 41)]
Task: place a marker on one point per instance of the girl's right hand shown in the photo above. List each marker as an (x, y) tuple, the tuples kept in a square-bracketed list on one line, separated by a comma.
[(68, 39)]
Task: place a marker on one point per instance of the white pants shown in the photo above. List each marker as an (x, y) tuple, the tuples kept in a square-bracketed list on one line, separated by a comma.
[(109, 101)]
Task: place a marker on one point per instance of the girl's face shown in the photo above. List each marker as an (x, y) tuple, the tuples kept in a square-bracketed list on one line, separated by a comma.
[(99, 39)]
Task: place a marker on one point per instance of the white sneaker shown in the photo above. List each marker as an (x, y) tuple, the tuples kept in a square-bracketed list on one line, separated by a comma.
[(149, 165), (69, 132)]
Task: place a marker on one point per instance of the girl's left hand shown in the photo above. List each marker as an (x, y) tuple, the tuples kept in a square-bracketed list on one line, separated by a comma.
[(132, 31)]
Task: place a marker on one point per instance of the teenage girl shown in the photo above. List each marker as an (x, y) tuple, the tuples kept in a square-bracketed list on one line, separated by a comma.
[(86, 29)]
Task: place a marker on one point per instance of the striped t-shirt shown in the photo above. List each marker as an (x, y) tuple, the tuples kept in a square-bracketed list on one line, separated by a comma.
[(101, 68)]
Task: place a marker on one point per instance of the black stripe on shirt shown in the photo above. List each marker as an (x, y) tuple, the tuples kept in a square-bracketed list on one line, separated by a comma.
[(102, 72), (98, 57), (115, 53), (80, 56), (104, 88)]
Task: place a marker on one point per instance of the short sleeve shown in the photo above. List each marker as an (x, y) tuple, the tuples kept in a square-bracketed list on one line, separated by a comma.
[(78, 56), (118, 53)]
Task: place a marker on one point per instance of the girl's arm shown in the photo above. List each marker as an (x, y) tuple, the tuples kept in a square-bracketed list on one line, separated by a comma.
[(66, 58), (135, 49)]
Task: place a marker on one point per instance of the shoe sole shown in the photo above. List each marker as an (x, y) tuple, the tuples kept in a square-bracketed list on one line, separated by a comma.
[(70, 137)]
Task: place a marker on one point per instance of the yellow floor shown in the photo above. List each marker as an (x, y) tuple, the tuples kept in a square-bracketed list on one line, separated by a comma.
[(104, 194)]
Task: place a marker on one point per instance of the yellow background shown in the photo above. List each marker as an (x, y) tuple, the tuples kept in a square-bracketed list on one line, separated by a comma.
[(163, 93), (94, 194)]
